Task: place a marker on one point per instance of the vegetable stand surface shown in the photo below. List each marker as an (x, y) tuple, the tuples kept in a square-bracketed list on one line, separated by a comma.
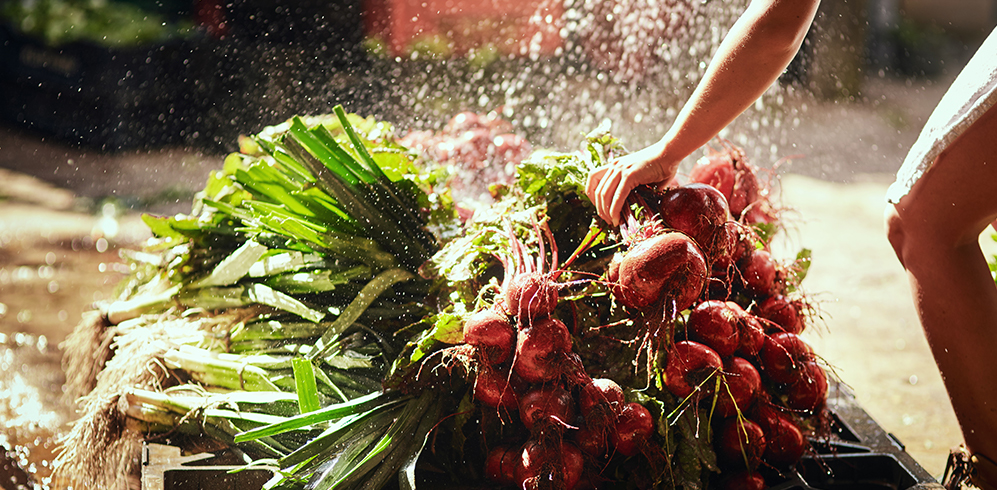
[(862, 455)]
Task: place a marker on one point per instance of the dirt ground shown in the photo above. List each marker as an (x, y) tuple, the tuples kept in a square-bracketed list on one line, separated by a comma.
[(65, 212)]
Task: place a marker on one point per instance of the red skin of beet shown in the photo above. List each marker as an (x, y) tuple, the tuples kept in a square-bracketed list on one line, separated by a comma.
[(746, 190), (783, 355), (613, 270), (741, 442), (759, 273), (744, 480), (751, 335), (715, 324), (492, 333), (539, 349), (782, 312), (808, 393), (501, 462), (546, 402), (530, 297), (600, 392), (634, 428), (743, 381), (492, 388), (689, 364), (593, 440), (539, 461), (666, 266), (785, 443), (700, 211), (715, 171)]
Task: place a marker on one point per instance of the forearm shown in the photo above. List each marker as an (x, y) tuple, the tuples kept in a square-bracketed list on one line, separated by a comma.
[(751, 57)]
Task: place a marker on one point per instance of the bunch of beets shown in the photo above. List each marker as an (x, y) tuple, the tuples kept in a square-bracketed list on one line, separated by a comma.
[(736, 350), (526, 366)]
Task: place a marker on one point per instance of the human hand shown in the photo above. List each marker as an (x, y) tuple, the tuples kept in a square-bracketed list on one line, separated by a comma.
[(610, 185)]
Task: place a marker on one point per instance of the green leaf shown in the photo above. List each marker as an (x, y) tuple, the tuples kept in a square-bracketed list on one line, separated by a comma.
[(318, 280), (304, 383), (323, 415)]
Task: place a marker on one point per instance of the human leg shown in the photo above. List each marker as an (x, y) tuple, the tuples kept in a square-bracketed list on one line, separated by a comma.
[(935, 232)]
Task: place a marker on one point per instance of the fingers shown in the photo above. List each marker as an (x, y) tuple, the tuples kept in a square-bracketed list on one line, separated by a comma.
[(608, 188), (620, 195), (593, 184)]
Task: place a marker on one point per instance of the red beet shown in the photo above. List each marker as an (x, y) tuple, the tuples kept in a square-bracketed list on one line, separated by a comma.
[(539, 350), (783, 312), (501, 462), (783, 355), (746, 191), (613, 270), (668, 265), (741, 443), (729, 250), (785, 443), (715, 324), (492, 333), (751, 335), (492, 388), (808, 392), (574, 465), (715, 170), (594, 441), (759, 273), (700, 211), (530, 296), (633, 429), (742, 382), (558, 467), (600, 392), (464, 121), (744, 480), (689, 365), (544, 403)]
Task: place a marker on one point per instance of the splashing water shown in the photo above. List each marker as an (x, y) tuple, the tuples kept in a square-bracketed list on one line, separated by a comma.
[(632, 62)]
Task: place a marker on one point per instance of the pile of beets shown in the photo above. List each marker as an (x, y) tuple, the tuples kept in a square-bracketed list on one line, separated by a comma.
[(479, 149), (718, 325)]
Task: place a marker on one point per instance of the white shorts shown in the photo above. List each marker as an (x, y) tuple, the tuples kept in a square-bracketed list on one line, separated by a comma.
[(972, 93)]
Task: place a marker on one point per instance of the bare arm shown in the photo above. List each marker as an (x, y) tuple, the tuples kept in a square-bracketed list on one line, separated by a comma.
[(751, 57)]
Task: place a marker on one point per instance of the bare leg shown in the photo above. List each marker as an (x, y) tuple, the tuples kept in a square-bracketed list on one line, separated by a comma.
[(935, 232)]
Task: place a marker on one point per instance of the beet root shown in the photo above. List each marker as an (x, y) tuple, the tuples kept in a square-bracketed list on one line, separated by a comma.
[(716, 324), (530, 296), (742, 382), (492, 334), (492, 388), (541, 349), (691, 364), (741, 443), (700, 211), (633, 429), (666, 266)]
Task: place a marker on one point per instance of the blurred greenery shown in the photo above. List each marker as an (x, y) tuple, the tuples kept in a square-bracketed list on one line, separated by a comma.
[(106, 23)]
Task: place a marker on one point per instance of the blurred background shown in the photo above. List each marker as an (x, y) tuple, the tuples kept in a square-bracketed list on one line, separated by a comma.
[(109, 109)]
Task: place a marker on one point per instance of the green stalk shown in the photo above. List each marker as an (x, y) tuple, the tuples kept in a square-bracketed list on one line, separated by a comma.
[(212, 371), (274, 330), (367, 295)]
